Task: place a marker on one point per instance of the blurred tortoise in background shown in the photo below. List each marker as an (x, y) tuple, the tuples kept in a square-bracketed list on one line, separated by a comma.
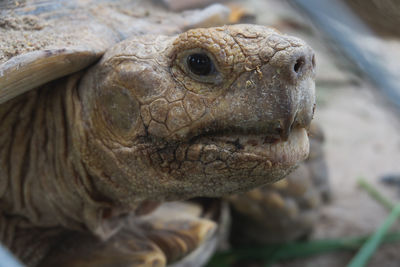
[(107, 110), (288, 209)]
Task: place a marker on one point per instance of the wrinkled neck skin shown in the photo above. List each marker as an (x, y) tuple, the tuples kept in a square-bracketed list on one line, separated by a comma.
[(139, 127), (44, 182)]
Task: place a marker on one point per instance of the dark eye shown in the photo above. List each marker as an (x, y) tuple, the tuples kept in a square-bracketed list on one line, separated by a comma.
[(200, 64)]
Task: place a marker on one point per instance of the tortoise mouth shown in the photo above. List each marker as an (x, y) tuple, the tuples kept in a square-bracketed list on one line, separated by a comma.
[(247, 147), (215, 164)]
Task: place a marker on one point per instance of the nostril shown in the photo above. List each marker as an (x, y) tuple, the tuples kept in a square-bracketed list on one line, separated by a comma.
[(313, 61), (299, 64)]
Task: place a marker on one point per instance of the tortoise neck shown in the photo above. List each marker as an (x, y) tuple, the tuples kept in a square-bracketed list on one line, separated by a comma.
[(42, 177)]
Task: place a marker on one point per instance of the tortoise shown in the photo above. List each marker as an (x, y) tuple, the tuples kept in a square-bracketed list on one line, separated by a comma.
[(109, 108)]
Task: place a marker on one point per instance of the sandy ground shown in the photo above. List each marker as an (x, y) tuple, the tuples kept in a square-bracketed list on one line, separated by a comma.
[(362, 140)]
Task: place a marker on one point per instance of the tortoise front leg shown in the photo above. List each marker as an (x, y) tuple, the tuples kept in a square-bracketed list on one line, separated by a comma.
[(127, 249), (167, 235)]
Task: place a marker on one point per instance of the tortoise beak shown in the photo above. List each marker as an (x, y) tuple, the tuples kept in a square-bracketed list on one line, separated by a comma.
[(274, 99)]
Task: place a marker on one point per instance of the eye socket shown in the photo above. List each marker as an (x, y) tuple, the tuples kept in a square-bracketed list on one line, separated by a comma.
[(200, 64)]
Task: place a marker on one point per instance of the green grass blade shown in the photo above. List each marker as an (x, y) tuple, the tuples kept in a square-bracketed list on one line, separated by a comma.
[(375, 194), (371, 245), (275, 253)]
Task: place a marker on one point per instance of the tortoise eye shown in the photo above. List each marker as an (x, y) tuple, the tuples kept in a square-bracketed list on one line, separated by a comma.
[(200, 64)]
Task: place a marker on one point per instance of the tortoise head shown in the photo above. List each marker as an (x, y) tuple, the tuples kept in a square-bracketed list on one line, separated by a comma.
[(206, 113)]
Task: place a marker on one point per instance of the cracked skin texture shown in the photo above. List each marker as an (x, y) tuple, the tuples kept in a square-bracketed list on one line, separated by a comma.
[(139, 127)]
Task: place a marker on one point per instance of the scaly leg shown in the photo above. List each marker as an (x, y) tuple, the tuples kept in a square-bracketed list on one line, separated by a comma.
[(165, 236)]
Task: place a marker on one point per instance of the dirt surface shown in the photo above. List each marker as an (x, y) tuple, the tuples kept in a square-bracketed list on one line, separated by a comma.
[(41, 25), (362, 139)]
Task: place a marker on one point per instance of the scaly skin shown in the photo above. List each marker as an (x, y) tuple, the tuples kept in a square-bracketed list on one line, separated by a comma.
[(139, 127)]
